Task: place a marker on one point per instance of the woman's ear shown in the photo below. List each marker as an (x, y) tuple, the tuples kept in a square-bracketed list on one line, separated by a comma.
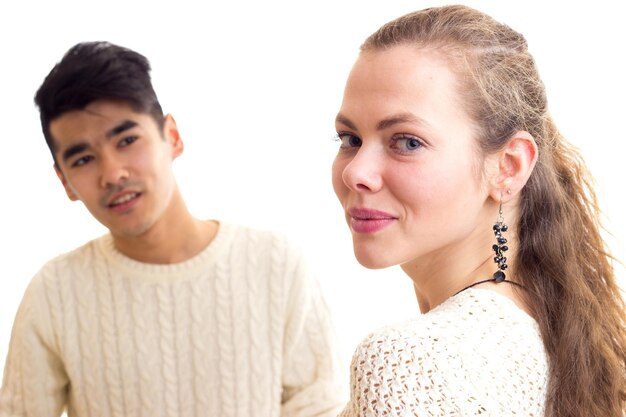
[(513, 165)]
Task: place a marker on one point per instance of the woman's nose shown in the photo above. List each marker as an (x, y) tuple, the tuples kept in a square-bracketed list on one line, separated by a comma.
[(363, 172)]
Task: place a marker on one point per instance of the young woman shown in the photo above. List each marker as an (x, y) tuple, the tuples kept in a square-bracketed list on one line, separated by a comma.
[(451, 166)]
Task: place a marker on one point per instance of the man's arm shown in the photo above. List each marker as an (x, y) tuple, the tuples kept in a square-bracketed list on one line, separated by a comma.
[(312, 384), (34, 383)]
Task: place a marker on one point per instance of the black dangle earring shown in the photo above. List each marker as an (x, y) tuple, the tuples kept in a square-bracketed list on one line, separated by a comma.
[(500, 247)]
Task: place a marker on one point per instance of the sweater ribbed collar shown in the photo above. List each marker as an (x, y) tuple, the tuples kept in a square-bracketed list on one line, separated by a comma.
[(119, 263)]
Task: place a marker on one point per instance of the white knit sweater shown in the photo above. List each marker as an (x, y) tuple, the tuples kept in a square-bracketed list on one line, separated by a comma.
[(241, 329), (477, 354)]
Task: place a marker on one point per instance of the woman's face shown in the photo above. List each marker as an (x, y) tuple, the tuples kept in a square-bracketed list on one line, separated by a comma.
[(409, 173)]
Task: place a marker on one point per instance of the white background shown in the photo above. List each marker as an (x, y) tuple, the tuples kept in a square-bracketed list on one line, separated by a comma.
[(254, 87)]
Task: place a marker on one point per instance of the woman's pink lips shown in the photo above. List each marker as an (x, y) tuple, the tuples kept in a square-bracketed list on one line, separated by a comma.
[(364, 220)]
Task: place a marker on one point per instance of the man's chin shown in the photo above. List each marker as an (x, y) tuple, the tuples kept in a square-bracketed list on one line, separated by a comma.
[(130, 231)]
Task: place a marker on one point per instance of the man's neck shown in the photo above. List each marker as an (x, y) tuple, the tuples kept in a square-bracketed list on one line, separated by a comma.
[(176, 237)]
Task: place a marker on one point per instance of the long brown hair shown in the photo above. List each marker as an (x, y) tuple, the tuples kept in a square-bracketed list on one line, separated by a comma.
[(562, 258)]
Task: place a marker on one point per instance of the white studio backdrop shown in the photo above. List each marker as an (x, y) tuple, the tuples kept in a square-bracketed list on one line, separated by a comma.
[(255, 87)]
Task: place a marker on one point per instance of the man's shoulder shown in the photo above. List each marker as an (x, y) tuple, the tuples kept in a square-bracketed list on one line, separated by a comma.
[(258, 238), (65, 266), (81, 256), (264, 246)]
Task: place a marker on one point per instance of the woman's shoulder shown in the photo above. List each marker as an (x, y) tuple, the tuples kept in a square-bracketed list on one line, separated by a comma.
[(474, 315), (467, 352)]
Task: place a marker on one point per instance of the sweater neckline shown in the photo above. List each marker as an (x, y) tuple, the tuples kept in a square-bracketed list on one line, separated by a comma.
[(117, 261), (502, 302)]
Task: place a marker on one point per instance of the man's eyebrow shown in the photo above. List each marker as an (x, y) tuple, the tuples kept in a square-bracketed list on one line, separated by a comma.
[(82, 146), (387, 122), (75, 149), (125, 125)]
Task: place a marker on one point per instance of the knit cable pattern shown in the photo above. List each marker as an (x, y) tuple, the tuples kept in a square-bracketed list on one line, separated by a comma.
[(103, 335)]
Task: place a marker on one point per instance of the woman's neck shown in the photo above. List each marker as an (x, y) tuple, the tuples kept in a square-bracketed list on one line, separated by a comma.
[(438, 278)]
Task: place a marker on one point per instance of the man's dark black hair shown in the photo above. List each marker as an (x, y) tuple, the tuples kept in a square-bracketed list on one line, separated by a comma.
[(91, 71)]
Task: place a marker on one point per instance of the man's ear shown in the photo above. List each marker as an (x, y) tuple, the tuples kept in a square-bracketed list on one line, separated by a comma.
[(172, 136), (513, 165), (68, 190)]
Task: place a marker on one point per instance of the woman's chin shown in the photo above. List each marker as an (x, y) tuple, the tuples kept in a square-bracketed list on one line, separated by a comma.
[(372, 260)]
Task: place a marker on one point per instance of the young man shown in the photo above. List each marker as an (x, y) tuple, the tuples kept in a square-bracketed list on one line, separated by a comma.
[(166, 315)]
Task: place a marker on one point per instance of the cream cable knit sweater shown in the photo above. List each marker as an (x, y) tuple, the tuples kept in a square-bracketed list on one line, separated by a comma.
[(477, 354), (239, 330)]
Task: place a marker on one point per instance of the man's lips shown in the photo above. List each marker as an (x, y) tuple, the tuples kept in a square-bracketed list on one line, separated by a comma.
[(364, 220), (123, 199)]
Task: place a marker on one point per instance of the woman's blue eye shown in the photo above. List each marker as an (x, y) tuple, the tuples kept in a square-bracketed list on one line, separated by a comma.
[(349, 141), (407, 144)]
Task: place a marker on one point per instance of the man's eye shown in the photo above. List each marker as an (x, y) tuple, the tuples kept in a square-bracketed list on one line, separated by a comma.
[(82, 161), (127, 141)]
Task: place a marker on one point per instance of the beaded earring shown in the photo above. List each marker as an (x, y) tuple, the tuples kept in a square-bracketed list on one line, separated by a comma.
[(500, 247)]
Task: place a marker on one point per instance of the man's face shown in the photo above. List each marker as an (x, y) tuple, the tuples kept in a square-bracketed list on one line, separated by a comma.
[(118, 163)]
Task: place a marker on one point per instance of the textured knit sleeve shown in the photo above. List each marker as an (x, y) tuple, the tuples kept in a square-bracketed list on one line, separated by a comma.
[(311, 366), (34, 383), (394, 376), (475, 355)]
